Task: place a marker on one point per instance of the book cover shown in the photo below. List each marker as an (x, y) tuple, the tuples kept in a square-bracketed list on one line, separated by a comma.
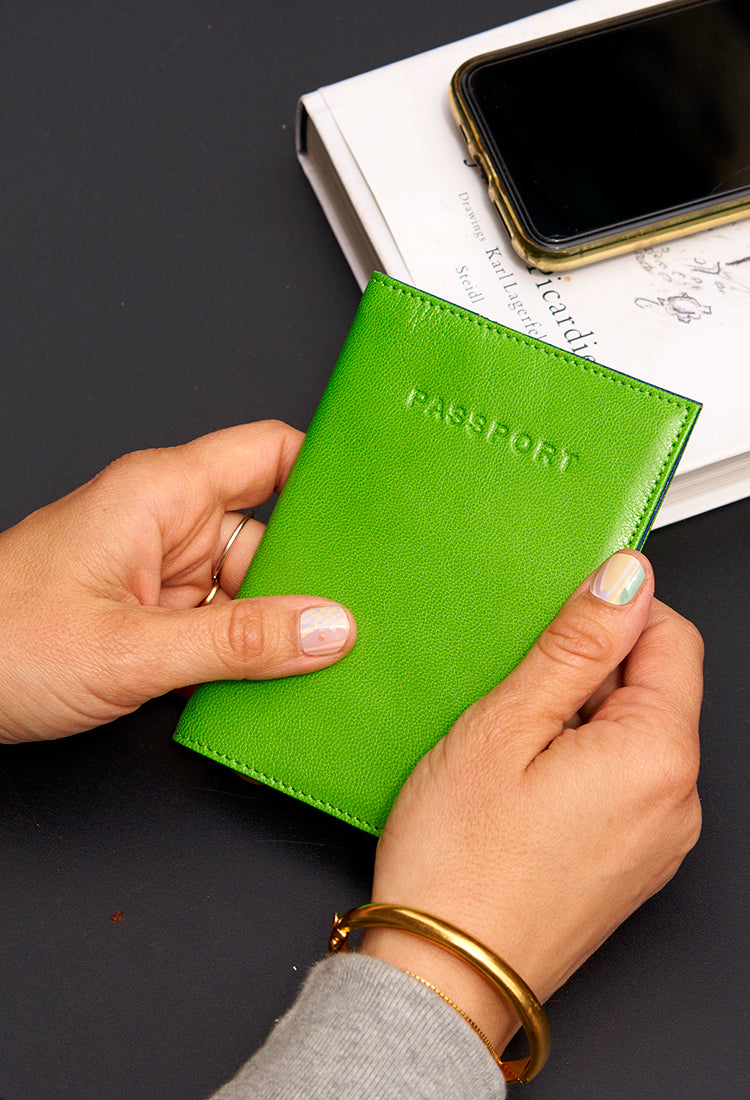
[(457, 482)]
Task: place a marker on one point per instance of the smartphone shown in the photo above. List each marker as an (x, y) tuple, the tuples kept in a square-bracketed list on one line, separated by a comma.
[(616, 135)]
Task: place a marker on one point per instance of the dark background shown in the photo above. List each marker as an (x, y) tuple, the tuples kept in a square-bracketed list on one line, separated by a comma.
[(167, 271)]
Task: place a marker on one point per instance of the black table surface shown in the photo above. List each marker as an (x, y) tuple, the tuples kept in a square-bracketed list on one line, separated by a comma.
[(167, 271)]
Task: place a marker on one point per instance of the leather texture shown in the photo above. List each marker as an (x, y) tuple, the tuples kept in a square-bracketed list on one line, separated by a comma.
[(458, 481)]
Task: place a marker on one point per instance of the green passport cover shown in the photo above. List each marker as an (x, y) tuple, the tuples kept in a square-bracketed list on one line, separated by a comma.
[(457, 482)]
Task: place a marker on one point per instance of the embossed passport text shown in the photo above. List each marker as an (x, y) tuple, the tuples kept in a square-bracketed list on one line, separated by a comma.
[(457, 482)]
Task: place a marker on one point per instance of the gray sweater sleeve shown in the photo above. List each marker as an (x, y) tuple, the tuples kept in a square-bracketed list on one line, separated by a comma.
[(363, 1030)]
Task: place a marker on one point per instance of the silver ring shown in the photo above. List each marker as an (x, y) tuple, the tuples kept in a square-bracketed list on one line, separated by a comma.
[(216, 575)]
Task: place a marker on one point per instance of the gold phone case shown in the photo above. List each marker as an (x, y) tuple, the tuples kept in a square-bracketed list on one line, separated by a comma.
[(547, 256)]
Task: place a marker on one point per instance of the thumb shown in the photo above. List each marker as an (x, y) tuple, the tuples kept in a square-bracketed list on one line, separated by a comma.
[(586, 641), (252, 639)]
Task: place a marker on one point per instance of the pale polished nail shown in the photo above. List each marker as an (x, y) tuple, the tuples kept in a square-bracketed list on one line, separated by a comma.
[(323, 630), (619, 579)]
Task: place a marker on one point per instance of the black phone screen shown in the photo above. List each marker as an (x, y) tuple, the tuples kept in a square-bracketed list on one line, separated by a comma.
[(619, 123)]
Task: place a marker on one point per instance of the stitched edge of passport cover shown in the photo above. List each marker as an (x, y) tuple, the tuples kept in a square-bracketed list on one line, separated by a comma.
[(636, 535)]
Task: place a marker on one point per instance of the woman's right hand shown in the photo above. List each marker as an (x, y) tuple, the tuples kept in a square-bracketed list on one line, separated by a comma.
[(540, 840)]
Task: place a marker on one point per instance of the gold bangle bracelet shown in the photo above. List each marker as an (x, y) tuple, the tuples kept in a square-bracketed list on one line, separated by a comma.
[(495, 970)]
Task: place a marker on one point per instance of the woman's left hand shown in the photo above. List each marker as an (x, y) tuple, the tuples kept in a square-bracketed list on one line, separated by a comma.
[(98, 603)]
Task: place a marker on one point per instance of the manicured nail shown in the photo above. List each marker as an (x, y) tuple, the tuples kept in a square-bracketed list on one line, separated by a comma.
[(619, 579), (323, 630)]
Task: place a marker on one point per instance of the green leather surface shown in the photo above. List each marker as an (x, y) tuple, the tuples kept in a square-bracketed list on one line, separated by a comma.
[(457, 482)]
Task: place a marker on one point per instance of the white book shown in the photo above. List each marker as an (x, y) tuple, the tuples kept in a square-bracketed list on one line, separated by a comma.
[(393, 176)]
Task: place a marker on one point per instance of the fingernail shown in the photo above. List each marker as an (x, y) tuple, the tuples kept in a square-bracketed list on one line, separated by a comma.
[(323, 630), (619, 579)]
